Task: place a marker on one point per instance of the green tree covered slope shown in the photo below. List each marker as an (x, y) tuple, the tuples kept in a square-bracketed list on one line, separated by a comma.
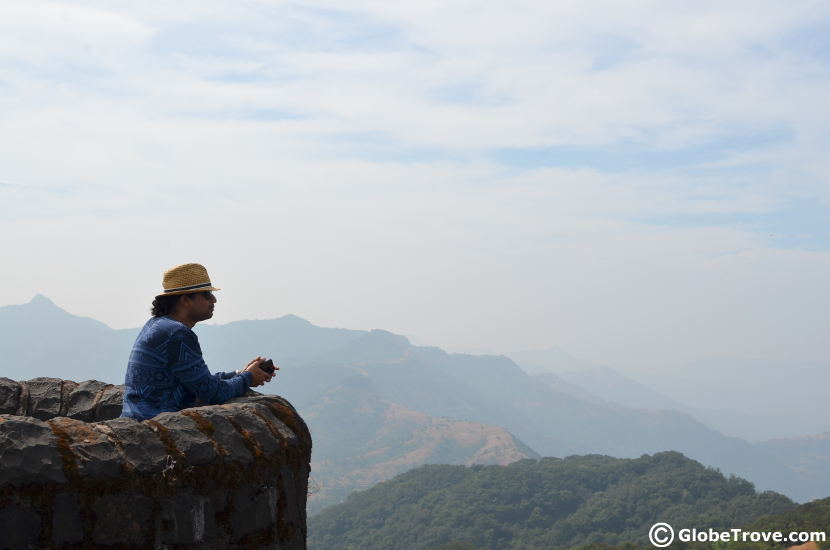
[(536, 505)]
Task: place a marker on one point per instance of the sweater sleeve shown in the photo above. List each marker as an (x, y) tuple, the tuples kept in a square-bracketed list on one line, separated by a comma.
[(190, 370)]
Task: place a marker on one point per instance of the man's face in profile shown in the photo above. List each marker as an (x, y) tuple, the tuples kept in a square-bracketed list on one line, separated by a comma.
[(200, 305)]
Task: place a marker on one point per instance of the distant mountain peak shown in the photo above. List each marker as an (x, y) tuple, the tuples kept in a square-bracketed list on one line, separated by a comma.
[(41, 300), (390, 337), (291, 318)]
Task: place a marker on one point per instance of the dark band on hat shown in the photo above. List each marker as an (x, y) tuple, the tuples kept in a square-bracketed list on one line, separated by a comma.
[(191, 287)]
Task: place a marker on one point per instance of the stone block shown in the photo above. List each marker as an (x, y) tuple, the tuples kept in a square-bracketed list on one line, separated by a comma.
[(195, 445), (44, 397), (141, 445), (254, 427), (183, 519), (66, 519), (217, 515), (254, 508), (67, 387), (82, 400), (23, 400), (9, 396), (297, 543), (290, 487), (122, 519), (274, 422), (19, 528), (28, 451), (222, 432), (95, 454), (110, 404)]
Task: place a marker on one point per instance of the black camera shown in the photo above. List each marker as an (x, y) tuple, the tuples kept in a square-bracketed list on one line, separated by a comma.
[(267, 366)]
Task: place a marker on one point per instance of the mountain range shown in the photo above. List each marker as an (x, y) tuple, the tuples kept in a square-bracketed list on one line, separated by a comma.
[(377, 405)]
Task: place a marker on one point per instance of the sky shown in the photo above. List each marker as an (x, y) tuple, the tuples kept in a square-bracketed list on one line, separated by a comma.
[(639, 183)]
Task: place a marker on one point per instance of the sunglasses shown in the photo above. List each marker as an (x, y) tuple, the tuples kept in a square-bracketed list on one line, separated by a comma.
[(206, 294)]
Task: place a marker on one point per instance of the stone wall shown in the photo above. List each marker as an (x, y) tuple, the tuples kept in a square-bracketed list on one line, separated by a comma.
[(74, 475)]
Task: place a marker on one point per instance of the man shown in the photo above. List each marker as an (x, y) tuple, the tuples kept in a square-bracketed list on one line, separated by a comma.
[(165, 371)]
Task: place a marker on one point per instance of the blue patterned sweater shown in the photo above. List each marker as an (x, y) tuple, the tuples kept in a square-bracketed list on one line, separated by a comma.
[(166, 372)]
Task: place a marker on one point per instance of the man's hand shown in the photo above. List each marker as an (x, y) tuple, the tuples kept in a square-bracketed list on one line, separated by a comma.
[(259, 376)]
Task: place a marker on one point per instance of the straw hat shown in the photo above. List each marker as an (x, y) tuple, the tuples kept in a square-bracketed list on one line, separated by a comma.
[(186, 279)]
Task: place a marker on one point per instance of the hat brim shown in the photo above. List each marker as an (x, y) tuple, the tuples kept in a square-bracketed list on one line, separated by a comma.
[(192, 291)]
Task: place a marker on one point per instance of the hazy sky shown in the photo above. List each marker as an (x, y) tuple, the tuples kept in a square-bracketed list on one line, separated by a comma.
[(639, 183)]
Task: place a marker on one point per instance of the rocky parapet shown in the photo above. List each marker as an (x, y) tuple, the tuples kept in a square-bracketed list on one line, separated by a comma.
[(47, 398), (73, 475)]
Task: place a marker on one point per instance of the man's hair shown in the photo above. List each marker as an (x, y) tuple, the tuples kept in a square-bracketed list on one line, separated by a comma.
[(164, 305)]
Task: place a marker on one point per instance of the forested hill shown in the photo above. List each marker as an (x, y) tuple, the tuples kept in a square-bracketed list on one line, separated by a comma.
[(536, 505), (813, 517)]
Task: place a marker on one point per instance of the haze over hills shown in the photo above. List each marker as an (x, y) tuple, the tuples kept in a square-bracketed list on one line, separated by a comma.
[(493, 390), (327, 372), (363, 439), (752, 399), (40, 339), (762, 399)]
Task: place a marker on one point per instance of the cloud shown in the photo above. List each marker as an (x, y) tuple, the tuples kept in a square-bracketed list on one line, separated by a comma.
[(515, 175), (682, 79)]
